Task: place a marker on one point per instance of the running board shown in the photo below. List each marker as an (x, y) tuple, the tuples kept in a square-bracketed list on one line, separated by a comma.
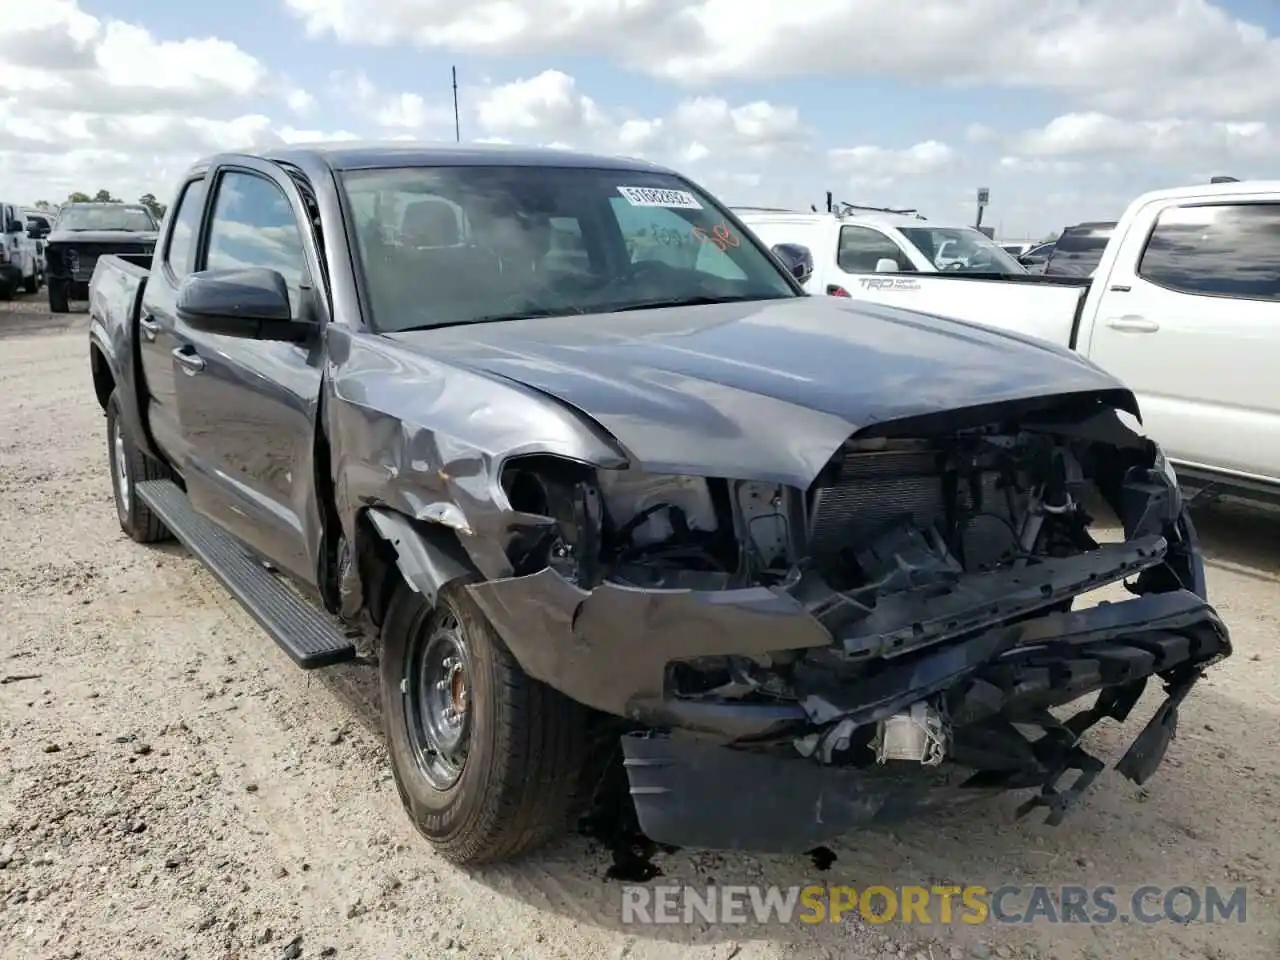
[(308, 635)]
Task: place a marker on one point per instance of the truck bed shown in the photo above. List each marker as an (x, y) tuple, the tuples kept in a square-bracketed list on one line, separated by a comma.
[(1038, 306), (116, 287)]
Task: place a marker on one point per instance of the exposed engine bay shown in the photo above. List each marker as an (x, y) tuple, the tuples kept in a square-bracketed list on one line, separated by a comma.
[(915, 606)]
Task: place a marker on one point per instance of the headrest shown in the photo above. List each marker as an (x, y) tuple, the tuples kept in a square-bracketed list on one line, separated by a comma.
[(430, 223)]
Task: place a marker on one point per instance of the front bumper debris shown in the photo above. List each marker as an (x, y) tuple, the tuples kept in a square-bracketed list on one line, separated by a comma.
[(993, 652), (691, 792), (609, 648)]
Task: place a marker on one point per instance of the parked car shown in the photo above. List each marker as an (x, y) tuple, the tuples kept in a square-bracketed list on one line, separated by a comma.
[(1037, 256), (1078, 251), (19, 266), (1183, 307), (868, 241), (82, 233), (782, 553), (39, 226)]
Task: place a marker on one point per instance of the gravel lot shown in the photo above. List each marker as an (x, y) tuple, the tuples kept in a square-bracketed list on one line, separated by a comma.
[(170, 786)]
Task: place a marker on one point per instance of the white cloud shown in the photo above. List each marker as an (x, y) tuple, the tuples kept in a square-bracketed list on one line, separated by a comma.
[(57, 57), (880, 166), (1139, 56), (548, 109), (1150, 92), (1070, 141)]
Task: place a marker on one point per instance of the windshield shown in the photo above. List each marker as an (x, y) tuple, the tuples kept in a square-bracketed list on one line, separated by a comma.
[(107, 217), (448, 245), (961, 250)]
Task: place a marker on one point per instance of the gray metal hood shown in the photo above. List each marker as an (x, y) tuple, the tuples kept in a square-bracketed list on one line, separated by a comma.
[(764, 390)]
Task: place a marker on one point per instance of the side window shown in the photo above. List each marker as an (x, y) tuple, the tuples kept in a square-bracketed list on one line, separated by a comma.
[(253, 226), (861, 248), (1227, 250), (656, 233), (186, 221)]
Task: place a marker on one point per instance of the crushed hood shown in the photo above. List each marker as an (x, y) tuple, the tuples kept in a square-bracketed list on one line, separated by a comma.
[(763, 390)]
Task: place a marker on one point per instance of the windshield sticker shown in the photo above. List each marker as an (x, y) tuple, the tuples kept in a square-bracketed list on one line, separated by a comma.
[(655, 197), (720, 235)]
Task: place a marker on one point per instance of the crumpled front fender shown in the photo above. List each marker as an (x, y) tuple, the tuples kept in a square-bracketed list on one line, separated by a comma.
[(609, 647)]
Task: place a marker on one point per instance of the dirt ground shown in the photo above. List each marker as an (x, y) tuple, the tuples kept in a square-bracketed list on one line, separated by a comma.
[(171, 786)]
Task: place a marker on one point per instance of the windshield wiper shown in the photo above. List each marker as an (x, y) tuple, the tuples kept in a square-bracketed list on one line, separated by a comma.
[(493, 318), (697, 301)]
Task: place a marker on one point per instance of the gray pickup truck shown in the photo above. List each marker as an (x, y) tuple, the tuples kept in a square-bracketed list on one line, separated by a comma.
[(557, 442)]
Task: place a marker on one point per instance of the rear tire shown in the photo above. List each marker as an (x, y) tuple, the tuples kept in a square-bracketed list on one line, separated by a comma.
[(130, 466), (526, 745), (31, 284), (58, 299)]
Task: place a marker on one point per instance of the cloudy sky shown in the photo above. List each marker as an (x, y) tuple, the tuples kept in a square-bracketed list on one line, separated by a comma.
[(1066, 109)]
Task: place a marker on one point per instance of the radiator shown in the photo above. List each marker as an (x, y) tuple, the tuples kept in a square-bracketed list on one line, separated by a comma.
[(875, 489)]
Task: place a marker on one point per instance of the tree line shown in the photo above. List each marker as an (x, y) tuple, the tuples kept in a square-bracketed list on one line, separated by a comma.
[(147, 200)]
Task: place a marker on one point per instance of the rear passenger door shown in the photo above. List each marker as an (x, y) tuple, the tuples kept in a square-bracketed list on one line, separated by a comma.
[(157, 338), (1190, 320), (247, 408)]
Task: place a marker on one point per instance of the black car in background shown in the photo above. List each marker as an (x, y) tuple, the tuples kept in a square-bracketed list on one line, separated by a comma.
[(1035, 258), (1079, 250), (85, 231)]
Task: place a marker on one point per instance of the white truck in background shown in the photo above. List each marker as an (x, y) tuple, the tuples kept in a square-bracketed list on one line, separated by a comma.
[(900, 258), (1184, 307)]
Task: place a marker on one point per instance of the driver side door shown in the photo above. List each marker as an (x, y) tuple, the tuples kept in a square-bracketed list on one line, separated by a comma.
[(246, 407)]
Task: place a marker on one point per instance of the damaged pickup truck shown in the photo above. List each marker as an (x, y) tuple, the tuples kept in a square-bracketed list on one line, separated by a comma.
[(557, 441)]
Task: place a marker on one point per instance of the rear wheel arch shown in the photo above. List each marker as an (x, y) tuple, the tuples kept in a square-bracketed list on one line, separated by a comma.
[(104, 381)]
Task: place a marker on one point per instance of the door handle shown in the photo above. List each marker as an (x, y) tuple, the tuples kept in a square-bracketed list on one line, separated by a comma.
[(1133, 324), (149, 328), (191, 363)]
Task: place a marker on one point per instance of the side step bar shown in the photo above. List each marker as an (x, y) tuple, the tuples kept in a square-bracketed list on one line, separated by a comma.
[(308, 635)]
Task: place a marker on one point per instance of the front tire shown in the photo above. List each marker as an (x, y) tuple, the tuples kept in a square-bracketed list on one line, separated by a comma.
[(130, 466), (59, 301), (508, 782)]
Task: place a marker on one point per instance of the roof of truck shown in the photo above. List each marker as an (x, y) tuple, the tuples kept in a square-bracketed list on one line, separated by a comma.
[(1212, 190), (896, 220), (361, 155)]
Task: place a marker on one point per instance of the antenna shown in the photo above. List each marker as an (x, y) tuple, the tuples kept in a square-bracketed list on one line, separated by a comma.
[(457, 126)]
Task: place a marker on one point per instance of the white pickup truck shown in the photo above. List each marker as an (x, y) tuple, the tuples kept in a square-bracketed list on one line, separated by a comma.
[(1184, 307)]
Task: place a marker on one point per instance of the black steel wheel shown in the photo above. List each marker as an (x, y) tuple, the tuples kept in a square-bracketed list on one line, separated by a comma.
[(487, 760)]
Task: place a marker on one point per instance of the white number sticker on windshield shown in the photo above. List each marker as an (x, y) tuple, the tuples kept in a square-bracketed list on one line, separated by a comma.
[(655, 197)]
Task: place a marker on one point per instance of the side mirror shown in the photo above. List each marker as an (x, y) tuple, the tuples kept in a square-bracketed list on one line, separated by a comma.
[(797, 258), (15, 226), (885, 265), (251, 303)]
